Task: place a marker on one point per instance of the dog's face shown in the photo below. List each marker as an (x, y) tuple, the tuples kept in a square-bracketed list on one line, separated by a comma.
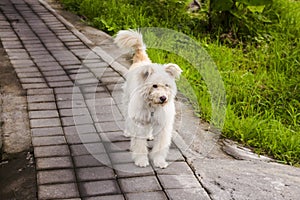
[(158, 83)]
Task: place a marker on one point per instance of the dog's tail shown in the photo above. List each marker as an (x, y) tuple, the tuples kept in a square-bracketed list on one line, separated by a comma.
[(134, 40)]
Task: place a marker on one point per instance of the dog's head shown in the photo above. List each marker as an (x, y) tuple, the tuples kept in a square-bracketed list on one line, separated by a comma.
[(158, 83)]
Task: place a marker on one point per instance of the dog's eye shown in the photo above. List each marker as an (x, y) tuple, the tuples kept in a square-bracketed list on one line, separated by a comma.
[(167, 85), (154, 86)]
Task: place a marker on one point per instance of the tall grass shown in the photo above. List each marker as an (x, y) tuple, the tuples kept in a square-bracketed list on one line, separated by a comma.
[(261, 74)]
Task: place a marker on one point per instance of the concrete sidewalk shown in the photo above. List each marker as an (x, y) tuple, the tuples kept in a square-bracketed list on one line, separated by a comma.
[(74, 94)]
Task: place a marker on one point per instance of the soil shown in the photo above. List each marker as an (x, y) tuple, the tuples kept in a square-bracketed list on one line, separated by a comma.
[(17, 177), (17, 169)]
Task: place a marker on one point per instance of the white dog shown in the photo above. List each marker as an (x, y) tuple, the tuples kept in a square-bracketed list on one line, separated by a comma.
[(149, 93)]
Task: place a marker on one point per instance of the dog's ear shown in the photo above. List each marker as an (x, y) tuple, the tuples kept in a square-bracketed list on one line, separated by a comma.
[(173, 69), (146, 72)]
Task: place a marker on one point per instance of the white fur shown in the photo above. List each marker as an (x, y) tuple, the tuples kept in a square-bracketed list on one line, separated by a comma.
[(130, 39), (149, 93)]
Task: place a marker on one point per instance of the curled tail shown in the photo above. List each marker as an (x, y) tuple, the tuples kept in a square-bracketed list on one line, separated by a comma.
[(134, 40)]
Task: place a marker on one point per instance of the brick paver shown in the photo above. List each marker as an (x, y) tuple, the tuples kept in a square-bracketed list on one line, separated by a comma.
[(73, 97)]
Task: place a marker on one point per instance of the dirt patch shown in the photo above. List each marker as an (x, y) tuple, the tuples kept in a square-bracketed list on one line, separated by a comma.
[(17, 177), (14, 116), (17, 170)]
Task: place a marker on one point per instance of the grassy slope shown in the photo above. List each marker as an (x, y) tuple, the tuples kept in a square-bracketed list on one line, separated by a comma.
[(261, 79)]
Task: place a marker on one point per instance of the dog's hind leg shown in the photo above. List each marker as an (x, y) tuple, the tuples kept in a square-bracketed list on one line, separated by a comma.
[(139, 151), (126, 132)]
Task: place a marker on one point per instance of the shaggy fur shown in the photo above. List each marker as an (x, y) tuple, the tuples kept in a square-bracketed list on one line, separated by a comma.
[(149, 93)]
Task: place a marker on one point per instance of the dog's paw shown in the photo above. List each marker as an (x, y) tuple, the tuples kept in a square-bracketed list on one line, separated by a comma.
[(160, 162), (150, 137), (141, 161), (126, 133)]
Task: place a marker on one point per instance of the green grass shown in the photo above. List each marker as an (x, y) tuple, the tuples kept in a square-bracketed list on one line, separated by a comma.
[(261, 74)]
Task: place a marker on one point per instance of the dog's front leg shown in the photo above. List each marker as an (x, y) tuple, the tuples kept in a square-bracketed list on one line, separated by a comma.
[(161, 146), (139, 151)]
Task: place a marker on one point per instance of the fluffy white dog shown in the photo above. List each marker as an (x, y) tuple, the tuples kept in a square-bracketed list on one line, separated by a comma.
[(149, 93)]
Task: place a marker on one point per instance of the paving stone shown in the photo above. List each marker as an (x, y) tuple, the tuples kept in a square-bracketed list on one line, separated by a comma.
[(51, 151), (114, 87), (86, 149), (179, 168), (108, 117), (18, 56), (53, 163), (43, 60), (42, 106), (60, 84), (48, 122), (131, 170), (93, 89), (54, 73), (72, 67), (175, 155), (39, 91), (66, 90), (75, 72), (98, 95), (40, 98), (88, 81), (63, 55), (48, 140), (92, 160), (67, 190), (48, 131), (71, 61), (77, 44), (105, 109), (25, 69), (110, 73), (79, 129), (99, 188), (27, 86), (71, 104), (92, 103), (32, 80), (29, 75), (121, 157), (108, 80), (157, 195), (56, 176), (43, 114), (68, 112), (26, 62), (83, 138), (179, 181), (77, 120), (118, 146), (114, 136), (106, 197), (95, 173), (50, 68), (190, 194), (140, 184), (82, 74), (71, 96), (110, 126)]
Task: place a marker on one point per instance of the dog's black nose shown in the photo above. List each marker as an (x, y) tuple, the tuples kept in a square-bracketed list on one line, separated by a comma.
[(162, 99)]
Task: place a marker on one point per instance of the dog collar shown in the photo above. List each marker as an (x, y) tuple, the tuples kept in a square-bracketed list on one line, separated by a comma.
[(151, 111)]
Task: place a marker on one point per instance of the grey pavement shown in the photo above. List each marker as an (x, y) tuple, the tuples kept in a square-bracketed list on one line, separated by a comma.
[(73, 96)]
